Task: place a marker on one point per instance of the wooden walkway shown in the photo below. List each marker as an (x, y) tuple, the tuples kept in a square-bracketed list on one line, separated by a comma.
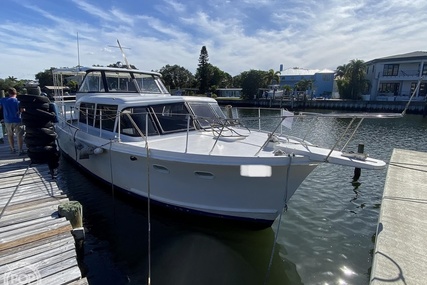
[(400, 255), (36, 245)]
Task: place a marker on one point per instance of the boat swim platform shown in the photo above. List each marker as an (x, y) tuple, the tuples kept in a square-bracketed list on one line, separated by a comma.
[(36, 245), (400, 255)]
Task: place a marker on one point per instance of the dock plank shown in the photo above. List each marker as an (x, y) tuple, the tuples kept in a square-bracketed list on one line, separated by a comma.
[(400, 255), (34, 240)]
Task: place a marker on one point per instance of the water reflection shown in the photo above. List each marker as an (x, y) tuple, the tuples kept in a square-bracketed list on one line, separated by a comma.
[(325, 236), (183, 251)]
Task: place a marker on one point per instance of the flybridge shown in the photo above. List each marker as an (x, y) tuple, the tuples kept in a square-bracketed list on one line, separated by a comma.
[(113, 80)]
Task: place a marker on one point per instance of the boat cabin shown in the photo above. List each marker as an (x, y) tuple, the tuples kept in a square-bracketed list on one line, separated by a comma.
[(134, 104)]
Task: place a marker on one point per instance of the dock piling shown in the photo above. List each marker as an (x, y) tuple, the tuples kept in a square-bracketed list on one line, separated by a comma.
[(358, 171)]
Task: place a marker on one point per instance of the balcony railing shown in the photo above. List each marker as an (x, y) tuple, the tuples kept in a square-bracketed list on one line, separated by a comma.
[(404, 74)]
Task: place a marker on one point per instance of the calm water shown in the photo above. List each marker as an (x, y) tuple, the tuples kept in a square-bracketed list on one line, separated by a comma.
[(325, 237)]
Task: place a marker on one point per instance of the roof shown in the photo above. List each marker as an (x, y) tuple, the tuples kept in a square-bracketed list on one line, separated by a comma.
[(56, 87), (303, 71), (140, 100), (416, 55), (82, 69)]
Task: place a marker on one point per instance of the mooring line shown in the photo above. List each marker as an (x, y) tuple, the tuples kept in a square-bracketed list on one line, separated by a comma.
[(112, 181), (147, 149), (284, 208), (14, 192)]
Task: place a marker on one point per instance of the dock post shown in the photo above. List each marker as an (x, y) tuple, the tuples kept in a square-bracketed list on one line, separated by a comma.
[(229, 111), (73, 212), (358, 171)]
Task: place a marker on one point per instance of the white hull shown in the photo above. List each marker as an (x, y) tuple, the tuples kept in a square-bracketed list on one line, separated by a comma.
[(195, 185)]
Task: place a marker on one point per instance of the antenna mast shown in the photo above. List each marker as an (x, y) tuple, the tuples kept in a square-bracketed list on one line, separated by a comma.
[(78, 51), (123, 54)]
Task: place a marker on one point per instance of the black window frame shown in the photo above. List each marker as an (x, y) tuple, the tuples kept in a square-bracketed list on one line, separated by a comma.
[(391, 69), (87, 113), (107, 113), (128, 129)]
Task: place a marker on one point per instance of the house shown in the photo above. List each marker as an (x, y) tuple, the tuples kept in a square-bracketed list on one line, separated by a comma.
[(394, 78), (229, 92), (323, 83)]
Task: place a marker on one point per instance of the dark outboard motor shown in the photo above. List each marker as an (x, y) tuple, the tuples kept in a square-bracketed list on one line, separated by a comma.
[(38, 116)]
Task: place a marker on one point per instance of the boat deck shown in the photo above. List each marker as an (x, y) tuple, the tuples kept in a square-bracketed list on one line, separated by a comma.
[(400, 255), (35, 243)]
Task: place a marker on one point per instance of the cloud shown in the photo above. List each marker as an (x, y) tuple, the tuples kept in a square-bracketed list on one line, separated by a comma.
[(239, 35)]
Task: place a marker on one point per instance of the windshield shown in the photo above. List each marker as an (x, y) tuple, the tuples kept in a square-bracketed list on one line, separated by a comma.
[(207, 114)]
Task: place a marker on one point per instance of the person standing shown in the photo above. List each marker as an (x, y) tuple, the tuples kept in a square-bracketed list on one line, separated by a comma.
[(12, 120)]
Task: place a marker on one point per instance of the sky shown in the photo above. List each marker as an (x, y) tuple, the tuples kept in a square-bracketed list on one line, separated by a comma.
[(239, 35)]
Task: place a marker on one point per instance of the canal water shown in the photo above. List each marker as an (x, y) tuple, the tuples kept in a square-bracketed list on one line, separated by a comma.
[(326, 236)]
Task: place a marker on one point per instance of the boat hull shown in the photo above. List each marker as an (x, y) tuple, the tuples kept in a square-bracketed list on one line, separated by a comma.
[(197, 186)]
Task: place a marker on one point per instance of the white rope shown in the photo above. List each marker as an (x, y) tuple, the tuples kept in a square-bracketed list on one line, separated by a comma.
[(148, 211)]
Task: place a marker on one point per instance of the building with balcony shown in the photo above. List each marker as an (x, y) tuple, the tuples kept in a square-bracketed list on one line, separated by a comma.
[(394, 78)]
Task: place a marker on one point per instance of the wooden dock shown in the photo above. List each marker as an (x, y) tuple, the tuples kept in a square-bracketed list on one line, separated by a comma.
[(36, 245), (400, 255)]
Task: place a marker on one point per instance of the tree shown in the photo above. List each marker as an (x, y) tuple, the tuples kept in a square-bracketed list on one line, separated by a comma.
[(73, 85), (45, 78), (304, 85), (10, 82), (287, 89), (176, 76), (218, 77), (237, 81), (341, 71), (351, 80), (251, 81), (271, 77), (202, 74)]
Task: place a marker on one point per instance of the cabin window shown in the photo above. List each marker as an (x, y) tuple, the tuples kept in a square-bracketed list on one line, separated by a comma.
[(92, 82), (86, 113), (147, 83), (172, 117), (105, 117), (140, 117), (120, 82)]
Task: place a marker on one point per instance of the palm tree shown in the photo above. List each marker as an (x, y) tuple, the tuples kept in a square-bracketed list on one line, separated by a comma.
[(351, 79), (287, 89), (271, 76), (356, 71), (304, 84), (341, 71)]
